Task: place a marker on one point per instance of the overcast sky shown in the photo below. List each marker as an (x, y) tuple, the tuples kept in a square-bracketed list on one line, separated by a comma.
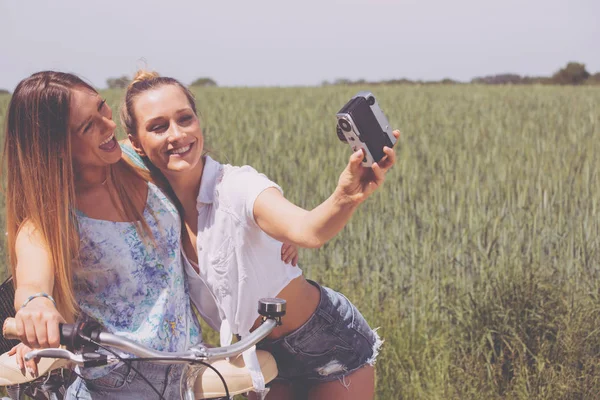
[(302, 42)]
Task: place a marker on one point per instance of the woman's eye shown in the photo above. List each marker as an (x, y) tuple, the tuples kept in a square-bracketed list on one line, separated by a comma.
[(87, 127), (158, 128), (185, 119)]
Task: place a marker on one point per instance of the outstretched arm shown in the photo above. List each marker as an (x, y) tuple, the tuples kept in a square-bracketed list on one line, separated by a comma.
[(289, 223)]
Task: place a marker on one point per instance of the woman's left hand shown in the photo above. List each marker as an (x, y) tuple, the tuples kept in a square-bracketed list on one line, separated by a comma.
[(21, 350), (357, 183), (289, 253)]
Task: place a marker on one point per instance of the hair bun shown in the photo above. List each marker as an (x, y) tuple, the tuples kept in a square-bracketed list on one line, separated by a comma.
[(143, 75)]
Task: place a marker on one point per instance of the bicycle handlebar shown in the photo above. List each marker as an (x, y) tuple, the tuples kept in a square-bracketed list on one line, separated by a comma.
[(71, 334)]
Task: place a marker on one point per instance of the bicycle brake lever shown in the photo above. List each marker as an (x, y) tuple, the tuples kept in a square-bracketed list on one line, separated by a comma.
[(55, 353), (83, 360)]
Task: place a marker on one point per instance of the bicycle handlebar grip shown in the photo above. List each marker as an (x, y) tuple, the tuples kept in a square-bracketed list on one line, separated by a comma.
[(9, 329), (67, 334)]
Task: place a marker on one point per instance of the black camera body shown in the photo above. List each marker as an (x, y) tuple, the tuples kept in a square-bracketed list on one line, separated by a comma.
[(362, 124)]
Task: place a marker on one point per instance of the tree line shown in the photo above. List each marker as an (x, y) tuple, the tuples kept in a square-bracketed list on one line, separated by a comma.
[(573, 73)]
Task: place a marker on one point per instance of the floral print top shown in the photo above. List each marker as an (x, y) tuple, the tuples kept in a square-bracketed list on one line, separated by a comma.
[(136, 287)]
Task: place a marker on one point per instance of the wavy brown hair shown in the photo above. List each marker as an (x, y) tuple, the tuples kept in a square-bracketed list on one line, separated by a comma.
[(40, 187)]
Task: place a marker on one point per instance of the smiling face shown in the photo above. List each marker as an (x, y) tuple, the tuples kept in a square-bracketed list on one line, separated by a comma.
[(92, 131), (168, 129)]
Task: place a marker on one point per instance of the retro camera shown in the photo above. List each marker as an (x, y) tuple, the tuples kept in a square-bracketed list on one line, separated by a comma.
[(362, 124)]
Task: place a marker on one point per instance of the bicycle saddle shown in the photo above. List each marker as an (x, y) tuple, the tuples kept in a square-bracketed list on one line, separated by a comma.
[(208, 384)]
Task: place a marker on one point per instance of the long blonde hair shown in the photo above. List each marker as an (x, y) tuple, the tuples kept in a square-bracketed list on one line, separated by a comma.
[(40, 187)]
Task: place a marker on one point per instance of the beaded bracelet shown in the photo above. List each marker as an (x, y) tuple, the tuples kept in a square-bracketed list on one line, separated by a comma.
[(40, 294)]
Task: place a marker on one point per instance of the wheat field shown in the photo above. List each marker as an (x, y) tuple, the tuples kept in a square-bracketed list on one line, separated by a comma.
[(479, 258)]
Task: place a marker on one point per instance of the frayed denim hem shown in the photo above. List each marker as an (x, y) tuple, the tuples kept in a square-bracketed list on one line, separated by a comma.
[(376, 347)]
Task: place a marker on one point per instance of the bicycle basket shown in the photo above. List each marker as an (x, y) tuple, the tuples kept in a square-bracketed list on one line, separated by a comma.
[(7, 309)]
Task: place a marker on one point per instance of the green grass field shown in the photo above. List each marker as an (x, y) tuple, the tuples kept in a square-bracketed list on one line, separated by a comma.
[(480, 256)]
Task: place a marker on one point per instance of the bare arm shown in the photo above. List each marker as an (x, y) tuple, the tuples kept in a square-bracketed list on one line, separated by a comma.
[(287, 222), (34, 272), (37, 322)]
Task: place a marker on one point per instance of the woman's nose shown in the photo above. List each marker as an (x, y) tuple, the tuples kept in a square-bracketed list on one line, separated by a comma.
[(110, 124), (176, 133)]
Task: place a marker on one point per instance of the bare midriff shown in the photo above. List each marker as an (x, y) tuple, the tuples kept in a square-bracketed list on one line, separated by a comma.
[(302, 300)]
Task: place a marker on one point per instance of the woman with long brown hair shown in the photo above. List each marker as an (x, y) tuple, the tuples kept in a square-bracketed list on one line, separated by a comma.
[(89, 234)]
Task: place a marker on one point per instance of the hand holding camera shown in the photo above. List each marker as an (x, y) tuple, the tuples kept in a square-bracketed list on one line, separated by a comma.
[(356, 183), (362, 125)]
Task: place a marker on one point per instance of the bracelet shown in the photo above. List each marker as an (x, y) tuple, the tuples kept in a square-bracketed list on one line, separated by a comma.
[(40, 294)]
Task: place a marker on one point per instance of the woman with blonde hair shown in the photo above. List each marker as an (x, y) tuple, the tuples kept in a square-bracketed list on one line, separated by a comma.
[(234, 218), (89, 234)]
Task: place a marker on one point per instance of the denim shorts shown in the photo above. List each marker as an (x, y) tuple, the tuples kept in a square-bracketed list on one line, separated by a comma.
[(124, 383), (335, 341)]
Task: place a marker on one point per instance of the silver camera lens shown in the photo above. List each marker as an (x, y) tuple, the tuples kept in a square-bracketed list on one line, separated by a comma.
[(345, 125)]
